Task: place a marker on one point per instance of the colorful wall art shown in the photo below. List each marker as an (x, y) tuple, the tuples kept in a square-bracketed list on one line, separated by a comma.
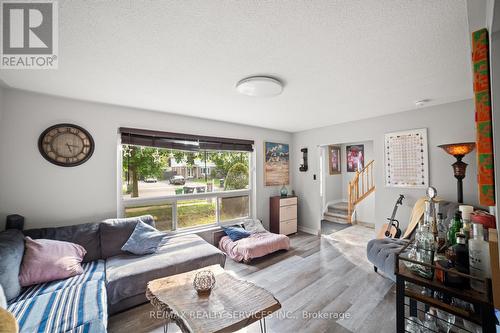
[(484, 130), (276, 164), (355, 156), (334, 160)]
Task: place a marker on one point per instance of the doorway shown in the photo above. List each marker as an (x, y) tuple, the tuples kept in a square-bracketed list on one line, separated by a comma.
[(347, 186)]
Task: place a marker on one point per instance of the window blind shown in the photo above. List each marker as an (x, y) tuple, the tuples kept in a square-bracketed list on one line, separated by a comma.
[(189, 142)]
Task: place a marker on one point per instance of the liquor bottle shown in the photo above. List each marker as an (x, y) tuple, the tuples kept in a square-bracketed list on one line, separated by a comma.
[(461, 253), (466, 219), (479, 257), (456, 224), (442, 231)]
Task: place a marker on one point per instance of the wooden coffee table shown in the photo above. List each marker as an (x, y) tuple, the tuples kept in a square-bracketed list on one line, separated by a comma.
[(232, 304)]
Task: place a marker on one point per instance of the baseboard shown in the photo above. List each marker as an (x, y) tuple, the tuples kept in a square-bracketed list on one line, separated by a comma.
[(308, 230)]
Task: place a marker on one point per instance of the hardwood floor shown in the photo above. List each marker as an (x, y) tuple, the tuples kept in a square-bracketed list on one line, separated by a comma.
[(327, 276)]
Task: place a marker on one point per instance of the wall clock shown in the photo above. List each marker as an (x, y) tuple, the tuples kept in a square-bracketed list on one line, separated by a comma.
[(66, 145)]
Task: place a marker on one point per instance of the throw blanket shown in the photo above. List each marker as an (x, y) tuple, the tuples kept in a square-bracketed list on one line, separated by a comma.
[(254, 246)]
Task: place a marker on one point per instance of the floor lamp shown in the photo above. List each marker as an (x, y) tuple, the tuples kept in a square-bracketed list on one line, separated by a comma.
[(459, 150)]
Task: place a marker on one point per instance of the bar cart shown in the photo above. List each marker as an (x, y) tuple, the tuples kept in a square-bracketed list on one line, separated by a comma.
[(425, 304)]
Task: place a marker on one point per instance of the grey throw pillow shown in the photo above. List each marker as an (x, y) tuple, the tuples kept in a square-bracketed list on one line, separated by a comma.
[(144, 239), (11, 255), (116, 232)]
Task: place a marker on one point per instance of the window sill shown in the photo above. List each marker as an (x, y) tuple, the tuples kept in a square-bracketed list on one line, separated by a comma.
[(210, 227)]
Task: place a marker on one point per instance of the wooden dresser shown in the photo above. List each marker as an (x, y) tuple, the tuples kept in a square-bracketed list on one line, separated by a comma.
[(283, 215)]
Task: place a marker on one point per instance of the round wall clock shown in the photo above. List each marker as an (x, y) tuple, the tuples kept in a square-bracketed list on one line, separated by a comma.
[(66, 145)]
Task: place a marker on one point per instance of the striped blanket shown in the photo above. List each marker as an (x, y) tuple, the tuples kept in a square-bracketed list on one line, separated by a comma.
[(77, 304)]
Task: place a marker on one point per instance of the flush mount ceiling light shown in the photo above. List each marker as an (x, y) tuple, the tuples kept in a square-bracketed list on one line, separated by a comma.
[(260, 86)]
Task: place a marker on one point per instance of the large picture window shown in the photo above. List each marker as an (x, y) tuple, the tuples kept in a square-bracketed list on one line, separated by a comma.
[(185, 182)]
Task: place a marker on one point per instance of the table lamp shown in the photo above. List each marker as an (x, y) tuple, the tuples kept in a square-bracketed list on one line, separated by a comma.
[(459, 150)]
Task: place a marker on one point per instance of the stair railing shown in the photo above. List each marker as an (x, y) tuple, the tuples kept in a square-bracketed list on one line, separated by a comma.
[(359, 188)]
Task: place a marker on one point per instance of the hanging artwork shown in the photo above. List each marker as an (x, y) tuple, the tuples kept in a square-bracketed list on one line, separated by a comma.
[(355, 156), (334, 160), (407, 159), (276, 164), (484, 130)]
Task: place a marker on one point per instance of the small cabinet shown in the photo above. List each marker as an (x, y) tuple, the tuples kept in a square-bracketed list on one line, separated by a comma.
[(283, 215)]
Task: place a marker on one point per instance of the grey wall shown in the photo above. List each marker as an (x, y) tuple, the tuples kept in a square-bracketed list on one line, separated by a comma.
[(49, 195), (1, 105), (336, 186), (453, 122), (333, 183)]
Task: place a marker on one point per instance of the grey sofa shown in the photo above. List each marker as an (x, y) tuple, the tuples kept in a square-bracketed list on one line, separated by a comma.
[(382, 252), (113, 280)]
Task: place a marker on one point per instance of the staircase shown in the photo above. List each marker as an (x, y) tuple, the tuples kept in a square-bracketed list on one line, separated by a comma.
[(359, 188), (337, 212)]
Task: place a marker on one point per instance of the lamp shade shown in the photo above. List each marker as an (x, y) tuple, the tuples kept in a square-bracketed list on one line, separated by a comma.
[(458, 149)]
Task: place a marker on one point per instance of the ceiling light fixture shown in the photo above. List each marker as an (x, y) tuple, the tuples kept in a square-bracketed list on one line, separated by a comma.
[(260, 86)]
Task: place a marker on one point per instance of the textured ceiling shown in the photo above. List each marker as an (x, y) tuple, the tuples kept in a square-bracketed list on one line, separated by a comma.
[(340, 60)]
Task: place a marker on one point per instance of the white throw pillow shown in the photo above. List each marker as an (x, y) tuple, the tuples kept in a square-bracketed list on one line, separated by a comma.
[(253, 226)]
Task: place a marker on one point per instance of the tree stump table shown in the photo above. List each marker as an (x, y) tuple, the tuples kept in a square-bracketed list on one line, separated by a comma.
[(231, 305)]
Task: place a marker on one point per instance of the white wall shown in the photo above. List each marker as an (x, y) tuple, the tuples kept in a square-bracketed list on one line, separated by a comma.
[(448, 123), (49, 195)]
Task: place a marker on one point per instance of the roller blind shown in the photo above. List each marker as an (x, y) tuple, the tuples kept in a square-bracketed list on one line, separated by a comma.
[(149, 138)]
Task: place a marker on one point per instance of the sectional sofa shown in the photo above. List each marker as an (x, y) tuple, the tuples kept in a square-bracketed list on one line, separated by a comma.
[(112, 281)]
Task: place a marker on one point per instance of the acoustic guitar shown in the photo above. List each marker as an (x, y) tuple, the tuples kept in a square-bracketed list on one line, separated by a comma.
[(391, 229)]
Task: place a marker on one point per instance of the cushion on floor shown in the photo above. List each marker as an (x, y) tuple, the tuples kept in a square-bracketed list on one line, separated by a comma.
[(255, 246)]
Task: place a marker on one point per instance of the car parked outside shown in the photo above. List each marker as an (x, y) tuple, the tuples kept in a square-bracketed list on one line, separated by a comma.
[(177, 180)]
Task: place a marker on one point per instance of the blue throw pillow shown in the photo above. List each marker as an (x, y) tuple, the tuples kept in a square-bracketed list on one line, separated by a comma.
[(144, 239), (236, 233)]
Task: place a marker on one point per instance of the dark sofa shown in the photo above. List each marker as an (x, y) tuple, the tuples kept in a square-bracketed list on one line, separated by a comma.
[(113, 280)]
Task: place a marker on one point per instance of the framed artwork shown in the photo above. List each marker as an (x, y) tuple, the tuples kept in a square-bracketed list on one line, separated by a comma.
[(484, 129), (334, 160), (276, 164), (407, 159), (355, 157)]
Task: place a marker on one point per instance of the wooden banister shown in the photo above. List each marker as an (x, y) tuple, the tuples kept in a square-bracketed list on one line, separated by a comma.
[(355, 194)]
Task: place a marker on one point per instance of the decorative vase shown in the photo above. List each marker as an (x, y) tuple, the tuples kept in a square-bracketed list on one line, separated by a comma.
[(284, 191), (204, 282)]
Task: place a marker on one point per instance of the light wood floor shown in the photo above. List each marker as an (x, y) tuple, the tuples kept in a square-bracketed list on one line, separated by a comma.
[(329, 275)]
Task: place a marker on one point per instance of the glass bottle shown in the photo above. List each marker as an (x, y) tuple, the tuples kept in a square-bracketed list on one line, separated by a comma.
[(479, 257), (461, 253), (425, 244), (442, 231), (466, 212), (455, 227)]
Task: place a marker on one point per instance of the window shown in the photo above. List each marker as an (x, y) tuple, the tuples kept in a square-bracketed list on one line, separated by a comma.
[(189, 183)]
